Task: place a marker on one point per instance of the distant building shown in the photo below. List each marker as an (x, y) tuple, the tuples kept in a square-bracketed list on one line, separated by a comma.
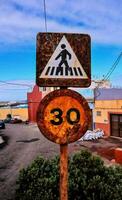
[(108, 111), (25, 110), (34, 98), (16, 112), (100, 84)]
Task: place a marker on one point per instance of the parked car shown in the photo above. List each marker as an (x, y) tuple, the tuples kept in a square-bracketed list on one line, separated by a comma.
[(15, 121), (7, 120), (2, 124)]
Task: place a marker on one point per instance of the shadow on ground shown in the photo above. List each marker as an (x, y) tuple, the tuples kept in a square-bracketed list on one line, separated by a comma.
[(28, 141)]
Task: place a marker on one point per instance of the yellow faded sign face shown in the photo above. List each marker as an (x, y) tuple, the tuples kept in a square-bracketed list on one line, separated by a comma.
[(61, 114)]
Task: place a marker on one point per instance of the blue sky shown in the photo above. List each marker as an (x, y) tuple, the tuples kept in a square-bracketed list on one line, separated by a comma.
[(21, 20)]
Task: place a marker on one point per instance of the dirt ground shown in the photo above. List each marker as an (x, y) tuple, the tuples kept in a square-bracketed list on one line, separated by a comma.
[(25, 143), (104, 148)]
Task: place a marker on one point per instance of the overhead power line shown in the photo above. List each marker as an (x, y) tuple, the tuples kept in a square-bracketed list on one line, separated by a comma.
[(17, 89), (16, 84), (45, 15), (107, 76), (113, 67), (111, 70)]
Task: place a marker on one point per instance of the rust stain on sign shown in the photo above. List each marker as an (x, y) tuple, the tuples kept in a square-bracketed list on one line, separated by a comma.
[(63, 59), (63, 116)]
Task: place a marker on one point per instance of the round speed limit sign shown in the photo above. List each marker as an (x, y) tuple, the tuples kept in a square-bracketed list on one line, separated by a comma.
[(63, 116)]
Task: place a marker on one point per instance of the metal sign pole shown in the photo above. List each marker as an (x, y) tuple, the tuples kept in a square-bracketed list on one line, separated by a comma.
[(63, 117), (63, 169), (64, 172)]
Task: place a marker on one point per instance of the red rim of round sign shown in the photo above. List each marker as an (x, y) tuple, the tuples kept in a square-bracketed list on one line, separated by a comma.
[(80, 130)]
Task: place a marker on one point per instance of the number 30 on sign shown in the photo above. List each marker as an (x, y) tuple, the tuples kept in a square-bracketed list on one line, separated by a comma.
[(63, 116)]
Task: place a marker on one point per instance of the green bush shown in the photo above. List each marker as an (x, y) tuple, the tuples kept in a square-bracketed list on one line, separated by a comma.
[(39, 181), (89, 179)]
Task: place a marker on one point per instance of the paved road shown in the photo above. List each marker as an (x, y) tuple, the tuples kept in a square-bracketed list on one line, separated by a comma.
[(24, 144)]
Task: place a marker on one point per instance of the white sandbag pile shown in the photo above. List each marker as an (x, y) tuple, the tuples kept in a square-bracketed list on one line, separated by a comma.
[(92, 135)]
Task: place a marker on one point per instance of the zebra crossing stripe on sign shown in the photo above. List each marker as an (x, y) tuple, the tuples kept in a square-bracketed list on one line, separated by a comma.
[(64, 63)]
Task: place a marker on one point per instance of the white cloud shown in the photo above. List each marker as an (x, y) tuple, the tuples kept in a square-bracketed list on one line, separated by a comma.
[(20, 20)]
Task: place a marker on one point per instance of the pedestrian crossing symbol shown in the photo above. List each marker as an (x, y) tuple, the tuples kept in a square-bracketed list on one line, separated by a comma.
[(64, 63)]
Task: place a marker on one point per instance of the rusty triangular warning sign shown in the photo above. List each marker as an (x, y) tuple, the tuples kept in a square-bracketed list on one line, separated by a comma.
[(64, 63)]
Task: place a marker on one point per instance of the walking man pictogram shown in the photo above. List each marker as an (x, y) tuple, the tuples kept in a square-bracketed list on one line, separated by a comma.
[(63, 54)]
